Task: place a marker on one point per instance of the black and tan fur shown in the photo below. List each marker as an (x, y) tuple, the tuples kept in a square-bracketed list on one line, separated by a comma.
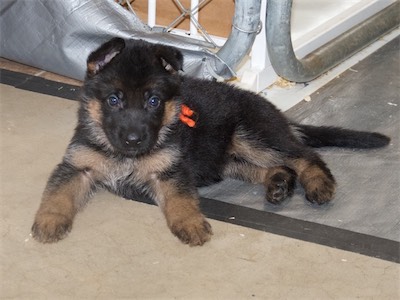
[(129, 139)]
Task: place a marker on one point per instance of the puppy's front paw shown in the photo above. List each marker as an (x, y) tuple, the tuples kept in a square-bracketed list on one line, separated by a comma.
[(193, 230), (51, 227)]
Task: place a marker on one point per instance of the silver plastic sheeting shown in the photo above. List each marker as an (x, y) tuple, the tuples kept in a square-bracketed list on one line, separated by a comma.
[(58, 36)]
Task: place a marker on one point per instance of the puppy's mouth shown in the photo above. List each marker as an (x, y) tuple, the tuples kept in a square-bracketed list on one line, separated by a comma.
[(130, 150), (131, 153)]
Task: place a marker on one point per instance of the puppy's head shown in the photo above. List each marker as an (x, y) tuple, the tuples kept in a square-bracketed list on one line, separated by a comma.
[(130, 95)]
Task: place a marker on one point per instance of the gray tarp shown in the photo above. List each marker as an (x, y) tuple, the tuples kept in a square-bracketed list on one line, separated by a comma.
[(58, 36)]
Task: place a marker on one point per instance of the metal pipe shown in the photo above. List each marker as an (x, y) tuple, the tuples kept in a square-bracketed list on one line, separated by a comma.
[(151, 13), (280, 47), (246, 25), (195, 15)]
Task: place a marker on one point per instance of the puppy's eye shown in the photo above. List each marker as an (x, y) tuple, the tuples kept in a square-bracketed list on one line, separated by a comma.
[(113, 100), (154, 102)]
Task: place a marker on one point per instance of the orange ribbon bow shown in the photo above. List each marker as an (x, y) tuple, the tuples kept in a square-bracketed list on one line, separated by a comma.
[(187, 115)]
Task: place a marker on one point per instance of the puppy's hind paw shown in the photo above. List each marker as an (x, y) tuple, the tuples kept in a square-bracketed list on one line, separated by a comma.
[(321, 190), (278, 192), (280, 185), (51, 227)]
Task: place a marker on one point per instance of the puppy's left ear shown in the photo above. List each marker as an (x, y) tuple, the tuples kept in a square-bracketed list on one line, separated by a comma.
[(171, 58), (98, 59)]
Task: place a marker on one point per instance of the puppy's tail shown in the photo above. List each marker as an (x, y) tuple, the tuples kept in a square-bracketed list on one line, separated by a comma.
[(315, 136)]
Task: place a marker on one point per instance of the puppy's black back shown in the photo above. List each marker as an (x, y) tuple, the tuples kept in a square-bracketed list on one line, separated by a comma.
[(222, 112)]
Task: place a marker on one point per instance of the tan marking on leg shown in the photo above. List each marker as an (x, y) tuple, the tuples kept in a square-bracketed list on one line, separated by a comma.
[(245, 171), (53, 220), (243, 146), (318, 184), (183, 214)]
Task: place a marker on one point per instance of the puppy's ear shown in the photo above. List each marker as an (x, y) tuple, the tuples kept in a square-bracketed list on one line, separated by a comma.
[(103, 55), (171, 58)]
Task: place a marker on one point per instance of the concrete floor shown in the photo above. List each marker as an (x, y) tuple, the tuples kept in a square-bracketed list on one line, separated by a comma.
[(122, 249)]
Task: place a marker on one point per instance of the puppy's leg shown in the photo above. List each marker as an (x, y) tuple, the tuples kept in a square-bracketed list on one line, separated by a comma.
[(182, 212), (315, 177), (313, 173), (252, 159), (279, 181), (66, 191)]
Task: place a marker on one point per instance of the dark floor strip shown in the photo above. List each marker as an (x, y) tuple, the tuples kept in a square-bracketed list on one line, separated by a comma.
[(39, 85), (235, 214), (302, 230)]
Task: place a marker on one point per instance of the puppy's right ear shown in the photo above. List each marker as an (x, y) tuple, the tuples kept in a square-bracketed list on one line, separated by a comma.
[(171, 58), (103, 55)]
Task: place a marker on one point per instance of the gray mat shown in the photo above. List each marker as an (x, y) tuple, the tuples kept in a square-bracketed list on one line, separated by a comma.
[(366, 97)]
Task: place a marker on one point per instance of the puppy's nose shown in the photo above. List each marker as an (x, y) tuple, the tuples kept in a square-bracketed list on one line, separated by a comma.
[(133, 139)]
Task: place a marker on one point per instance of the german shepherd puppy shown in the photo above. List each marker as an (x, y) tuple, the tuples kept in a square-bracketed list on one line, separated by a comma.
[(144, 128)]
